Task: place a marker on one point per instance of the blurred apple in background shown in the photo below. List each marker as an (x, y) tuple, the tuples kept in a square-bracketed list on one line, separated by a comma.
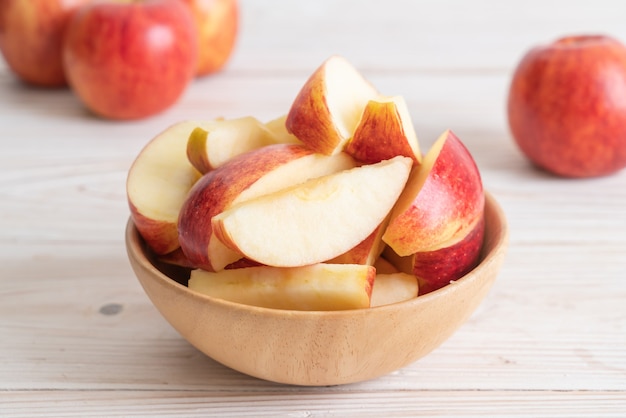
[(129, 60), (31, 34), (217, 23), (567, 106)]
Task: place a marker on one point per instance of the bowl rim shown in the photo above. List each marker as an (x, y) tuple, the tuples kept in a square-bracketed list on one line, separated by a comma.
[(136, 249)]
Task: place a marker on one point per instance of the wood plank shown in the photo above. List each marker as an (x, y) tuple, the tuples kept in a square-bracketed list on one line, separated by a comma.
[(78, 337), (314, 403)]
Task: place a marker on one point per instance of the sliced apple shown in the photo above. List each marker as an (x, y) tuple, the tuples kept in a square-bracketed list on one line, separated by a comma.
[(443, 200), (176, 258), (211, 146), (255, 173), (278, 128), (314, 221), (367, 251), (435, 269), (318, 287), (157, 184), (384, 131), (393, 288), (384, 266), (327, 109)]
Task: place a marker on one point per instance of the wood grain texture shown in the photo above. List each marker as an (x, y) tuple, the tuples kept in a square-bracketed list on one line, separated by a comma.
[(78, 337)]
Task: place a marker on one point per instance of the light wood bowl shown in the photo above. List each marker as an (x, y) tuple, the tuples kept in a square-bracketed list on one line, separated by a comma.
[(320, 348)]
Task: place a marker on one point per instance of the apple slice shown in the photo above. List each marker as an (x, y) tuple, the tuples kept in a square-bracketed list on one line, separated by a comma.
[(211, 146), (384, 131), (279, 130), (367, 251), (443, 200), (392, 288), (258, 172), (318, 287), (314, 221), (435, 269), (176, 258), (157, 184), (327, 109), (384, 266)]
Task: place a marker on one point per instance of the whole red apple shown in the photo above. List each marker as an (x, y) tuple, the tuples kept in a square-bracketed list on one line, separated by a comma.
[(567, 106), (130, 59), (217, 23), (31, 35)]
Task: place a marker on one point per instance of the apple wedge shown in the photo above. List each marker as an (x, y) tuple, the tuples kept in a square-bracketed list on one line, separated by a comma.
[(384, 266), (367, 251), (314, 221), (211, 146), (318, 287), (157, 184), (176, 258), (435, 269), (384, 131), (278, 128), (392, 288), (327, 109), (442, 201), (255, 173)]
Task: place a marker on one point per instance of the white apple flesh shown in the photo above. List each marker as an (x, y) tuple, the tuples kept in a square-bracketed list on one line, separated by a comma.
[(255, 173), (393, 288), (327, 109), (211, 146), (157, 184), (318, 287), (314, 221), (278, 128)]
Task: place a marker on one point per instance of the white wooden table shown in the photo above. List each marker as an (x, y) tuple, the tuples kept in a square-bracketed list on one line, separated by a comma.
[(78, 337)]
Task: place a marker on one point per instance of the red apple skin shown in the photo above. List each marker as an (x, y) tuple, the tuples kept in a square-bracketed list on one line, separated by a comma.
[(367, 251), (161, 237), (382, 134), (217, 189), (567, 106), (31, 38), (435, 269), (217, 24), (449, 203), (130, 60)]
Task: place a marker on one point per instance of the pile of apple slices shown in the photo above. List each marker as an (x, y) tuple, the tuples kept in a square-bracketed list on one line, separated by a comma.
[(330, 207)]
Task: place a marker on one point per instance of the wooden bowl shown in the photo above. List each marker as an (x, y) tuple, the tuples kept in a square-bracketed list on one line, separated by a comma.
[(319, 348)]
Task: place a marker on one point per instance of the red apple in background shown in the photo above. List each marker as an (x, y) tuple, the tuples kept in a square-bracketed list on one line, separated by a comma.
[(567, 106), (217, 23), (129, 59), (31, 35)]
